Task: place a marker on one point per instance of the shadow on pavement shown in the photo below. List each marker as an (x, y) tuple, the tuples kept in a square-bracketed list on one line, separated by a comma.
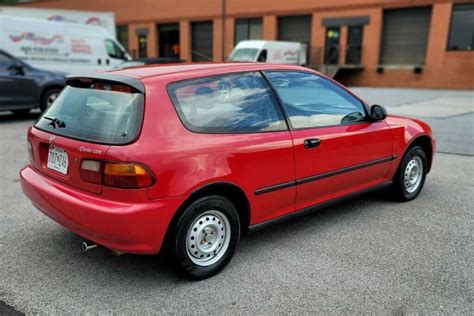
[(96, 266), (9, 117)]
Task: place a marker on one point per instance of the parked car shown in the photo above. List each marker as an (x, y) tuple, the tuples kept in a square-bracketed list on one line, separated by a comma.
[(149, 61), (23, 87), (184, 158), (278, 52), (60, 46)]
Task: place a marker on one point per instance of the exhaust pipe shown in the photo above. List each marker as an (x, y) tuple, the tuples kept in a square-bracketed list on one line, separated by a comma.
[(87, 245)]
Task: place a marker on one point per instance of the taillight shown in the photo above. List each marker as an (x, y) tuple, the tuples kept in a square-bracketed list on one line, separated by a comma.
[(30, 150), (91, 171), (126, 175), (116, 174)]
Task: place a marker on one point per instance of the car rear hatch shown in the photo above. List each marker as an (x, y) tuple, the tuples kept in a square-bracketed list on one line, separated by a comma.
[(90, 115)]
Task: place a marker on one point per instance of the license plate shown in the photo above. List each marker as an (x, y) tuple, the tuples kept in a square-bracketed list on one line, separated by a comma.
[(57, 159)]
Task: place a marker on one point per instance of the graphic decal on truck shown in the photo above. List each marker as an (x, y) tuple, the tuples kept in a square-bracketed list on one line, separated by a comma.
[(37, 39), (80, 46), (94, 21)]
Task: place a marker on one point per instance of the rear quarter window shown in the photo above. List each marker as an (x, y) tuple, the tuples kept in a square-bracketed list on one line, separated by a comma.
[(233, 103)]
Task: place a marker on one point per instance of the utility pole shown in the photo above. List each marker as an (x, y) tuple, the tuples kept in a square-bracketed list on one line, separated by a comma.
[(223, 28)]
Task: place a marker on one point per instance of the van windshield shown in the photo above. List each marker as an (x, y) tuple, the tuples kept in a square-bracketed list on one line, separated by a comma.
[(244, 54), (95, 115)]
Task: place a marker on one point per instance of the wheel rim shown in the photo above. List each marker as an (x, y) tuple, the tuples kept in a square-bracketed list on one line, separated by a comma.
[(50, 100), (208, 238), (413, 174)]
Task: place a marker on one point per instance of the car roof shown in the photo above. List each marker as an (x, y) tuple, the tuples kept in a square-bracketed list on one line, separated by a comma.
[(142, 72)]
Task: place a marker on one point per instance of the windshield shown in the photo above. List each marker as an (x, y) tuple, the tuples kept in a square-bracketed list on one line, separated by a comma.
[(131, 63), (244, 54), (97, 114)]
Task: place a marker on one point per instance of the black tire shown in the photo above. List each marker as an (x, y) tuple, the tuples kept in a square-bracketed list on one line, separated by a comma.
[(21, 113), (400, 190), (46, 98), (179, 244)]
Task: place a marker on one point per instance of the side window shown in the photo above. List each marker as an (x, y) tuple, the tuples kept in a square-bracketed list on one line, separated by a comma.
[(113, 50), (312, 101), (263, 56), (234, 103), (5, 62)]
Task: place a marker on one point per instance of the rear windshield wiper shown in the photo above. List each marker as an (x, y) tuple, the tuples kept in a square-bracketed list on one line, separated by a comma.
[(55, 122)]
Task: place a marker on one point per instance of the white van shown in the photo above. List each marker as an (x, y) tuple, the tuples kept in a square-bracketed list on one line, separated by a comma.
[(62, 47), (289, 53), (105, 20)]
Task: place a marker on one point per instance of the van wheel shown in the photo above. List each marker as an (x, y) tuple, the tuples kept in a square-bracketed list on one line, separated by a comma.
[(411, 175), (48, 98), (205, 237)]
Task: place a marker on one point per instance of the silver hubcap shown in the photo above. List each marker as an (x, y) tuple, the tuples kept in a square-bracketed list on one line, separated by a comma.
[(51, 99), (413, 174), (208, 238)]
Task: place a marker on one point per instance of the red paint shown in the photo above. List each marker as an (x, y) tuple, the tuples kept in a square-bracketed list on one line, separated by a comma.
[(136, 220)]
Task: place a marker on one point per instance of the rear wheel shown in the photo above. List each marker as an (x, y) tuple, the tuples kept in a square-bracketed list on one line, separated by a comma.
[(48, 98), (411, 175), (21, 113), (205, 237)]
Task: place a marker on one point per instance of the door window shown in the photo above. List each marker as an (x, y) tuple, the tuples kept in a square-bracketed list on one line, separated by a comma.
[(311, 101), (113, 50), (234, 103), (5, 62)]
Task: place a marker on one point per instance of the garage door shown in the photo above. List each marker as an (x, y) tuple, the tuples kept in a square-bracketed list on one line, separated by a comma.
[(295, 28), (202, 41), (405, 36)]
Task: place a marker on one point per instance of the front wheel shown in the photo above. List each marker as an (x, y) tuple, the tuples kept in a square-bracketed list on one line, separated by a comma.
[(205, 237), (411, 175)]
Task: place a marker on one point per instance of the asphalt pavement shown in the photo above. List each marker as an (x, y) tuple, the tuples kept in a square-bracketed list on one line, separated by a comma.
[(367, 255)]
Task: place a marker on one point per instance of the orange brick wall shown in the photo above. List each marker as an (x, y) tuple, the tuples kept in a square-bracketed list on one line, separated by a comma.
[(443, 69)]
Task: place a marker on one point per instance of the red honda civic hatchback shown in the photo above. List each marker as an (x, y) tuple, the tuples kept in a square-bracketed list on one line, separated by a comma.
[(185, 157)]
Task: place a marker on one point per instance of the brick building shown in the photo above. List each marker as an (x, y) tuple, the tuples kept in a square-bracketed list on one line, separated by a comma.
[(415, 43)]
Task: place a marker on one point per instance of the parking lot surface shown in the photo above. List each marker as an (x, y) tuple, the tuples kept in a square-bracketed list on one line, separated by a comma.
[(367, 255)]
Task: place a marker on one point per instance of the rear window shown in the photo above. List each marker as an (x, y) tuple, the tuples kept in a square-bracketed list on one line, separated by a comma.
[(234, 103), (96, 114)]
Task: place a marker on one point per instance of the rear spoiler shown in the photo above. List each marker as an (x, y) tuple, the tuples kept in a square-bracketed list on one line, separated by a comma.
[(83, 81)]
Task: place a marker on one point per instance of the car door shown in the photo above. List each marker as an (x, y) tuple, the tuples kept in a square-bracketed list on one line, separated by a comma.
[(337, 149), (239, 135), (17, 90)]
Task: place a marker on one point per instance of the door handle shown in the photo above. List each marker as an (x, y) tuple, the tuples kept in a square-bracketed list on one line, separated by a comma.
[(311, 143)]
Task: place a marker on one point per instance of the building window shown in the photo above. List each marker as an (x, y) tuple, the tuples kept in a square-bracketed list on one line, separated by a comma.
[(248, 29), (461, 35), (122, 35)]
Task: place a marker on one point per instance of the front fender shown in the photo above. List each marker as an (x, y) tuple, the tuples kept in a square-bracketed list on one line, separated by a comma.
[(406, 131)]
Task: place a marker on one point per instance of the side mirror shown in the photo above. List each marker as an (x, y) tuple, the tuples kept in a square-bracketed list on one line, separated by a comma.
[(17, 69), (377, 113)]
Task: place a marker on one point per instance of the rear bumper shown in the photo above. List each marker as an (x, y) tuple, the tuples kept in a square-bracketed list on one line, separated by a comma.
[(125, 227)]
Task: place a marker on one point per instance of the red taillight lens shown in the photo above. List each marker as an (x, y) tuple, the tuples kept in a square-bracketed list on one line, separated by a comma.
[(126, 175), (30, 150), (91, 171), (116, 174)]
